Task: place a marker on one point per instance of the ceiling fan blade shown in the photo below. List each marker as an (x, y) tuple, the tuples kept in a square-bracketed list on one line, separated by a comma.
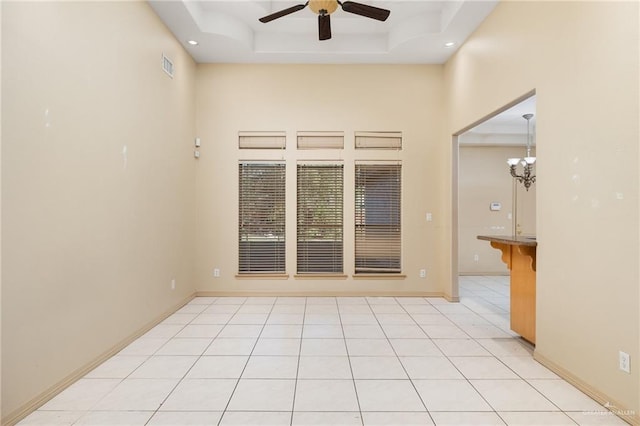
[(324, 27), (365, 10), (283, 12)]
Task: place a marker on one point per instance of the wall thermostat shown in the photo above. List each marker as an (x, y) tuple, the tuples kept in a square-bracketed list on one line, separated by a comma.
[(495, 206)]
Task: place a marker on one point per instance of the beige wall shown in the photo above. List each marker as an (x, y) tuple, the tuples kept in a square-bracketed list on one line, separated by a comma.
[(484, 178), (92, 236), (90, 242), (291, 98), (0, 214), (582, 59)]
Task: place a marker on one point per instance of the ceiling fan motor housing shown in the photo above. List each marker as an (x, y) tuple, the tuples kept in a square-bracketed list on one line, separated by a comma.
[(328, 6)]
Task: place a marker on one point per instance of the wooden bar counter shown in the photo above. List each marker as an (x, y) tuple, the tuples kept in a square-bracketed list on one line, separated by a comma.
[(519, 253)]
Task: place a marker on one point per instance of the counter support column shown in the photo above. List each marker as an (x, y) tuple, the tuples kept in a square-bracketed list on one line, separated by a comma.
[(520, 258)]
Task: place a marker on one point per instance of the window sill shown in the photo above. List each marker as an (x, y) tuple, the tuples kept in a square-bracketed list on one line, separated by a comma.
[(262, 276), (320, 276), (379, 276)]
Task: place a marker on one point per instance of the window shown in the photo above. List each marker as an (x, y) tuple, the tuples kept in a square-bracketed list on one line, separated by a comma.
[(378, 140), (320, 140), (377, 218), (261, 217), (262, 140), (320, 230)]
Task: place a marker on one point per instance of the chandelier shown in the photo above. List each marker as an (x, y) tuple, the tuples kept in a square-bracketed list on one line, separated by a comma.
[(527, 178)]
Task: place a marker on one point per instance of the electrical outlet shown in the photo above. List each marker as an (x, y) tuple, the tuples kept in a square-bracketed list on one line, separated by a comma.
[(429, 217), (624, 362), (216, 273), (423, 273), (173, 284), (476, 258)]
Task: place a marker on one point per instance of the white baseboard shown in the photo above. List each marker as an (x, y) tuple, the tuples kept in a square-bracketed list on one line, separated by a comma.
[(319, 294), (615, 408), (484, 274)]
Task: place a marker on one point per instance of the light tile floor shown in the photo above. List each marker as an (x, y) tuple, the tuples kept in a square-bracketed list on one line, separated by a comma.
[(329, 361)]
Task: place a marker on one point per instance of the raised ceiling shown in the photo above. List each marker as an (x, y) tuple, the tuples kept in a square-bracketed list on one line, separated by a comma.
[(229, 31), (507, 128)]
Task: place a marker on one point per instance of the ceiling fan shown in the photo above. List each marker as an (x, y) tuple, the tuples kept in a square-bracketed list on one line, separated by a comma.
[(324, 8)]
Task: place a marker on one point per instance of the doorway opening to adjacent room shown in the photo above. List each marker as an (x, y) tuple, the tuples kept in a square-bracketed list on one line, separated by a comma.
[(487, 200)]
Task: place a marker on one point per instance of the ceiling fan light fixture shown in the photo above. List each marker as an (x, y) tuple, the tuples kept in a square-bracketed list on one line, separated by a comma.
[(324, 9), (328, 6)]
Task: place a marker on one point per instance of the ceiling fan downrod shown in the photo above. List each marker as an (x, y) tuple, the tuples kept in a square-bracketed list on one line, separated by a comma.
[(324, 25)]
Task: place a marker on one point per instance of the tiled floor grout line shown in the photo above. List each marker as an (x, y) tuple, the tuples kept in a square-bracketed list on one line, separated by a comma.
[(424, 404), (498, 349), (198, 357), (527, 382), (469, 380), (346, 348), (474, 387), (295, 385), (235, 387), (510, 369), (185, 374)]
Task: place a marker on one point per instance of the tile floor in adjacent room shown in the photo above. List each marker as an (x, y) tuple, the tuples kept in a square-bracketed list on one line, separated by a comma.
[(329, 361)]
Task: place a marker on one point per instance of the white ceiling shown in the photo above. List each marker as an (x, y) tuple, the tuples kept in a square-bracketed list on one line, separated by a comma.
[(507, 128), (228, 31)]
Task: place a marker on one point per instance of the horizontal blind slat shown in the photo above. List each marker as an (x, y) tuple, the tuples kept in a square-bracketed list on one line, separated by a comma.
[(261, 231), (378, 218), (320, 218)]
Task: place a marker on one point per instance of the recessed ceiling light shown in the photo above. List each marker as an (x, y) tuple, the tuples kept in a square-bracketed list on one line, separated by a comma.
[(192, 42), (450, 44)]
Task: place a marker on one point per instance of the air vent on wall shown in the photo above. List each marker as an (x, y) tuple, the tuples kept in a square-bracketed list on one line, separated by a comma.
[(167, 65)]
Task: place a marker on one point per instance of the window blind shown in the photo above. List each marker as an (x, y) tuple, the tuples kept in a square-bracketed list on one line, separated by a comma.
[(320, 218), (378, 218), (261, 217), (378, 140), (320, 140), (262, 140)]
